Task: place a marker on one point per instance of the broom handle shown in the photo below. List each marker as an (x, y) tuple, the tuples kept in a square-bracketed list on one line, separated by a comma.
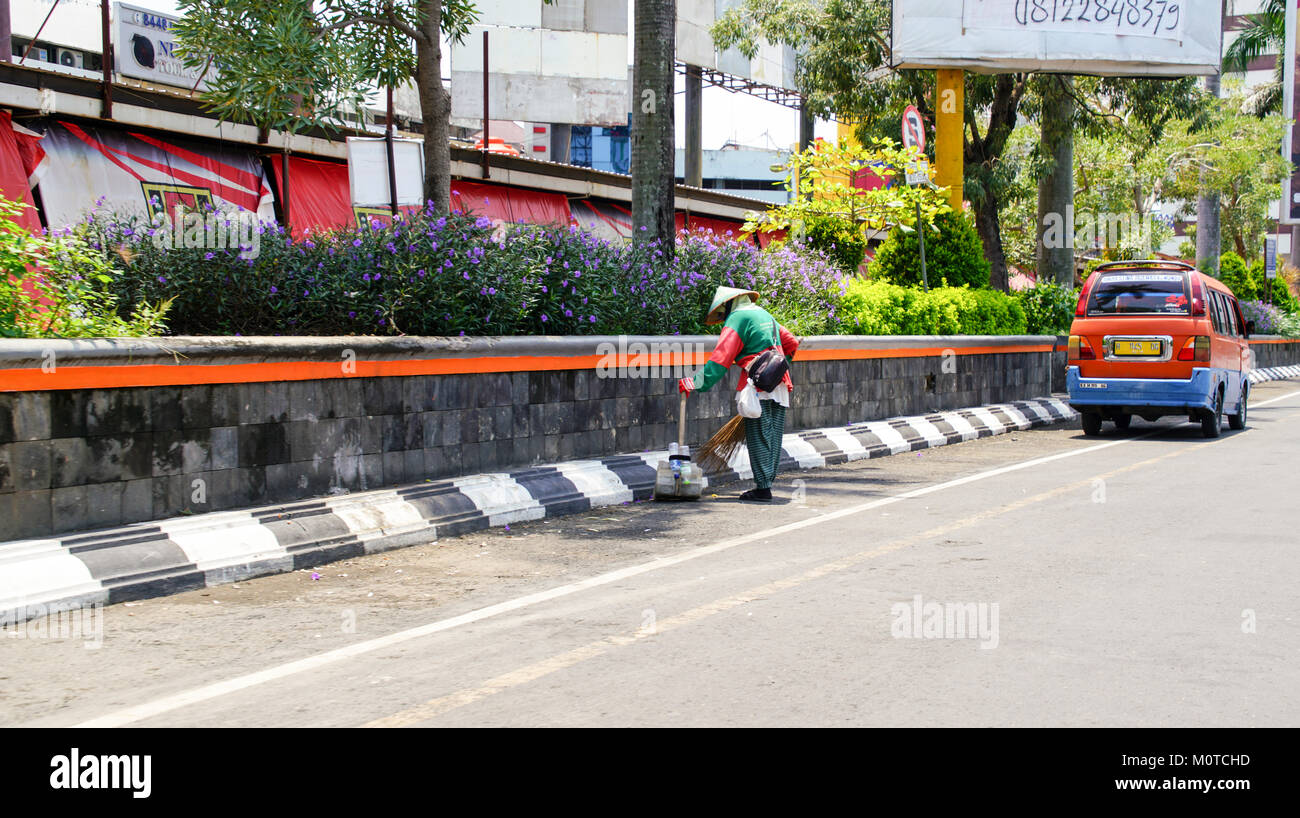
[(681, 421)]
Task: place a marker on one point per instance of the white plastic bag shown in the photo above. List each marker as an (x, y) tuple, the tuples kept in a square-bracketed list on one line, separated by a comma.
[(747, 402)]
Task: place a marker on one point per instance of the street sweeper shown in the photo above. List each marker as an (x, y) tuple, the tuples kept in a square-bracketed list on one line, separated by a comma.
[(752, 340)]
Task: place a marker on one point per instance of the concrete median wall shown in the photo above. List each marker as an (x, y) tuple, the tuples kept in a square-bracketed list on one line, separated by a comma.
[(103, 433)]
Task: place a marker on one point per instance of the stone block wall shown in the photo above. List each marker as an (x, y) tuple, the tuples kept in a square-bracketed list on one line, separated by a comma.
[(76, 457)]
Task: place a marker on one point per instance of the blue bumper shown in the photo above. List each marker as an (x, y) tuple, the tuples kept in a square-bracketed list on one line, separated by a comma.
[(1131, 394)]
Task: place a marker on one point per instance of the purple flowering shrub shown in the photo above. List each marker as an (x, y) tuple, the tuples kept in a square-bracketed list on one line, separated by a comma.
[(1270, 320), (435, 274)]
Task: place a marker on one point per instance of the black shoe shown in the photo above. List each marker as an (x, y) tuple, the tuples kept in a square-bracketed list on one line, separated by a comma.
[(757, 496)]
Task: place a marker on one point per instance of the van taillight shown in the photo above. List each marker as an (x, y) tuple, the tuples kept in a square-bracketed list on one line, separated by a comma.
[(1080, 349), (1197, 348), (1080, 308), (1198, 298)]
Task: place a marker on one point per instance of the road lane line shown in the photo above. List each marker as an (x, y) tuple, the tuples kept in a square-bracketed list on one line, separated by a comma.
[(529, 673), (135, 713)]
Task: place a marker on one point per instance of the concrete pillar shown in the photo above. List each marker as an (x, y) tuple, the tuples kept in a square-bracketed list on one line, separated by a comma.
[(694, 171), (806, 124), (6, 34), (561, 137), (949, 136)]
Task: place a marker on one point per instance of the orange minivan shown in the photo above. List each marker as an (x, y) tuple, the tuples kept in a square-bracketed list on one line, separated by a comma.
[(1157, 338)]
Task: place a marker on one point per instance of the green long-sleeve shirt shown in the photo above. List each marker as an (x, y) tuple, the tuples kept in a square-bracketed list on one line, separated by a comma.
[(749, 330)]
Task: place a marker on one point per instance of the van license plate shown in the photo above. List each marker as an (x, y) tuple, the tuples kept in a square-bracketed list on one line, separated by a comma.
[(1142, 349)]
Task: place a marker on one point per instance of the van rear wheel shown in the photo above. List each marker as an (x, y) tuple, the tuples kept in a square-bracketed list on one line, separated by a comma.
[(1212, 421), (1238, 421), (1122, 421), (1091, 423)]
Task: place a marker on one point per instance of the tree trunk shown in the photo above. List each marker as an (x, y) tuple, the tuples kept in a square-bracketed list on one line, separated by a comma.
[(435, 107), (1054, 257), (653, 149), (1208, 239), (989, 226), (982, 155)]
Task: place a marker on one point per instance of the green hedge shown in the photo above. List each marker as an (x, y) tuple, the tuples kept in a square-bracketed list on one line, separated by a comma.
[(881, 308)]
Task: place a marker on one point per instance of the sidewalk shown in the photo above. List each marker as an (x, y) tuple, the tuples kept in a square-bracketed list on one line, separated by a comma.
[(184, 553)]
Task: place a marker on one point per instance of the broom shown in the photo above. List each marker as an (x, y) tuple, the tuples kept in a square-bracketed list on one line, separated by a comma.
[(715, 455)]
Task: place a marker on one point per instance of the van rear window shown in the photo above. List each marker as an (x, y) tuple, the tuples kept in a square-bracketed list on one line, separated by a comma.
[(1144, 293)]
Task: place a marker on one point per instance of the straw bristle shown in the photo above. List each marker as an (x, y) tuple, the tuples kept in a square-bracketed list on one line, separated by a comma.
[(715, 454)]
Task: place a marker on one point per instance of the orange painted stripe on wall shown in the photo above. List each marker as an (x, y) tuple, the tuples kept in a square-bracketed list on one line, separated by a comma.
[(118, 377), (919, 352)]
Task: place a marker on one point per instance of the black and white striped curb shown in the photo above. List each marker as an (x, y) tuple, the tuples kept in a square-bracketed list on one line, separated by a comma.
[(168, 556), (1275, 373)]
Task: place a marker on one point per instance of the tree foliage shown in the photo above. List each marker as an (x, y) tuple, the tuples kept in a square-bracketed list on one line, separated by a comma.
[(295, 65), (825, 189), (953, 254)]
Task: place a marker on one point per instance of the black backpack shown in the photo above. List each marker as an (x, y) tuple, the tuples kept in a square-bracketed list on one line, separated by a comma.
[(769, 367)]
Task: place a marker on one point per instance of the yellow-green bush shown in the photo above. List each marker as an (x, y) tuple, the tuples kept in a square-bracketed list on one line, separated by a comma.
[(880, 308)]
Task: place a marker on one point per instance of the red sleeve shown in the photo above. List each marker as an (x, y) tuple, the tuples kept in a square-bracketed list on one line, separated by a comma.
[(729, 346), (789, 343)]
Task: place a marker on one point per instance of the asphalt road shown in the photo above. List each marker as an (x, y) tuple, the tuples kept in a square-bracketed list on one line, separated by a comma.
[(1144, 578)]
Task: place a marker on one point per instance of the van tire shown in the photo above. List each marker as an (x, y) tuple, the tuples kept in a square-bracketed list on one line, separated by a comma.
[(1237, 422), (1212, 420), (1122, 421), (1091, 423)]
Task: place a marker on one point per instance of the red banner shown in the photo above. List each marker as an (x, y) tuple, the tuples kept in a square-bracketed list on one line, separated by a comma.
[(133, 171), (13, 175)]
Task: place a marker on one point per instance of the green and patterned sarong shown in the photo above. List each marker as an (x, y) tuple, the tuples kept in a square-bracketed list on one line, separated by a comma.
[(763, 439)]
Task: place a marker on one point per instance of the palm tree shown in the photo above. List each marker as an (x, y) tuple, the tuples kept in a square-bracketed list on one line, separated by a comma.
[(1265, 34)]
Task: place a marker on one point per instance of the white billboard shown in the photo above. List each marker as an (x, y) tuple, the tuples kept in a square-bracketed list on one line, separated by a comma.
[(145, 48), (773, 64), (1163, 38)]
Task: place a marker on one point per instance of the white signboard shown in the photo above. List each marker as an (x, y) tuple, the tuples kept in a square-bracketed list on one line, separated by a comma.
[(1133, 18), (918, 172), (145, 48), (368, 171), (1159, 38)]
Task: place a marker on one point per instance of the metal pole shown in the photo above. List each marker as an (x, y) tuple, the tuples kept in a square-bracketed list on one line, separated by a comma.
[(920, 236), (28, 50), (107, 49), (693, 167), (487, 142), (284, 173), (392, 163)]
